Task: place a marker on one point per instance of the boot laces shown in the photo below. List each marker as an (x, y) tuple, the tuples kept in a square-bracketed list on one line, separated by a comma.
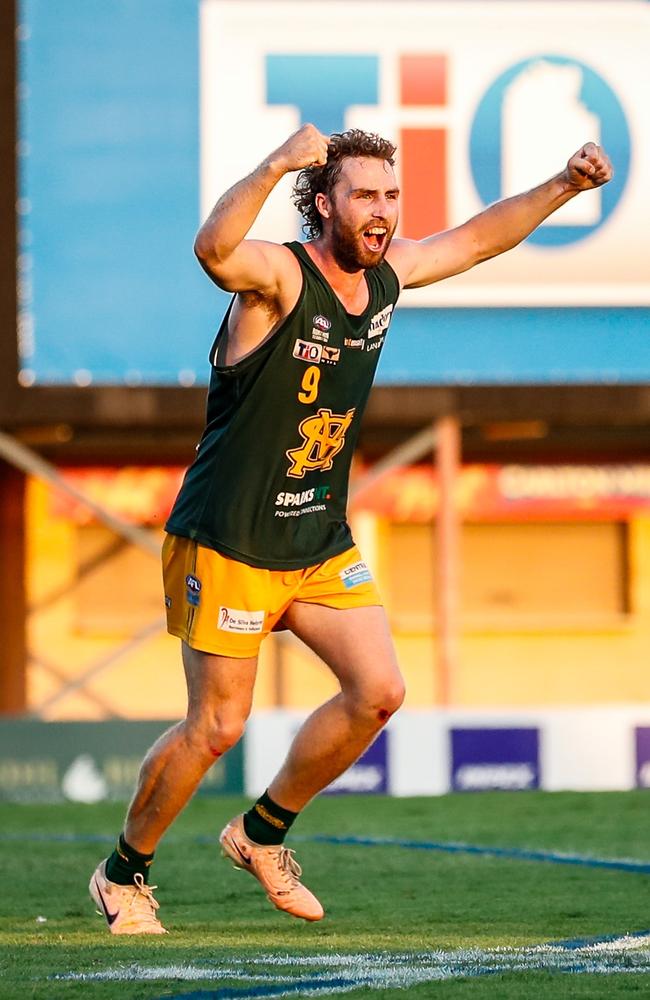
[(289, 867), (143, 903)]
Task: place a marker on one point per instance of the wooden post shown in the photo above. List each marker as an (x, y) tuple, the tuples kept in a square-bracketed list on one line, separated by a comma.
[(447, 458), (13, 658)]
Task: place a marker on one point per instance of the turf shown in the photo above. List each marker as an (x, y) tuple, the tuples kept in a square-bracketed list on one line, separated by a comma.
[(380, 901)]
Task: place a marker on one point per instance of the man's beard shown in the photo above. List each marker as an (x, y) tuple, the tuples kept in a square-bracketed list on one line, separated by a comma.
[(349, 251)]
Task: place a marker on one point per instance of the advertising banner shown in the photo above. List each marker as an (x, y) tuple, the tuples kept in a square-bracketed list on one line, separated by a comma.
[(502, 492), (90, 761), (135, 118), (517, 492), (484, 100), (490, 759)]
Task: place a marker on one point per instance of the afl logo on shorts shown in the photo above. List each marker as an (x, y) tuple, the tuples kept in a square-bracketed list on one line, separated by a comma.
[(192, 593)]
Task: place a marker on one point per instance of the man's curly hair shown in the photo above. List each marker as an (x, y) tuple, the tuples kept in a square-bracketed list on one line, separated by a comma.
[(320, 180)]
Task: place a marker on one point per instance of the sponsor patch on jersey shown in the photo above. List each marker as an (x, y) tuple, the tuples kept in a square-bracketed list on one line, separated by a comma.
[(380, 321), (320, 335), (331, 355), (374, 345), (288, 499), (356, 574), (307, 351), (242, 622), (313, 508), (356, 344), (322, 322)]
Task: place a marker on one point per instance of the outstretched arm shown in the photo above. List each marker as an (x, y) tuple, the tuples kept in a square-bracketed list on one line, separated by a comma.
[(500, 227), (241, 265)]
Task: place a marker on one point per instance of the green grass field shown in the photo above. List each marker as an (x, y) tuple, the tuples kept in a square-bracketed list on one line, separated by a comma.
[(400, 922)]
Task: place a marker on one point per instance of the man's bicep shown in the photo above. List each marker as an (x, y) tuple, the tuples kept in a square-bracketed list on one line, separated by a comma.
[(253, 266), (424, 262)]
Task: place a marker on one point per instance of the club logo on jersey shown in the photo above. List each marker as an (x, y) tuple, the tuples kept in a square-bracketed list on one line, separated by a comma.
[(307, 351), (331, 355), (380, 321), (323, 438)]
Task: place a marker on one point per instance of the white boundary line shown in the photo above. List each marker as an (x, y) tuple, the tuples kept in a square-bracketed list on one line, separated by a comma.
[(343, 973)]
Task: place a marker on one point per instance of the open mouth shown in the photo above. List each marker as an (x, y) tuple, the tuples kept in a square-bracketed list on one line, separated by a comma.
[(374, 238)]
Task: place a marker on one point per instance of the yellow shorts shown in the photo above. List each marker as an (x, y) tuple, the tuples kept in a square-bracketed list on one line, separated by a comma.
[(219, 605)]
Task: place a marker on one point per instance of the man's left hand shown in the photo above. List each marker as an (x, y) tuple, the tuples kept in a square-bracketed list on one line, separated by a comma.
[(589, 168)]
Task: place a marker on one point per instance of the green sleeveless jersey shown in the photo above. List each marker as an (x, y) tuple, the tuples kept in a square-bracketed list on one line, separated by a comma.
[(269, 483)]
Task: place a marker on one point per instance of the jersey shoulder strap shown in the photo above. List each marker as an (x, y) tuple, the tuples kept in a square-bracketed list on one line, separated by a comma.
[(307, 265)]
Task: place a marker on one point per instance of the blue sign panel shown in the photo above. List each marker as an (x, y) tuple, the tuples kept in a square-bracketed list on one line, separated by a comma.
[(110, 289), (489, 759)]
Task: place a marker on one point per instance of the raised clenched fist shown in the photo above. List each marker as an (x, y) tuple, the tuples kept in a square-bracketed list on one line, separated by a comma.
[(589, 167), (305, 148)]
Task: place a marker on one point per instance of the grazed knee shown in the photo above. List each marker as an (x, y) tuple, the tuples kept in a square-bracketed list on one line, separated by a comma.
[(376, 704), (392, 699), (212, 736)]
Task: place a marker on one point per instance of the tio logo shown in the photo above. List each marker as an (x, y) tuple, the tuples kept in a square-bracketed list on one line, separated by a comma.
[(527, 122), (421, 81)]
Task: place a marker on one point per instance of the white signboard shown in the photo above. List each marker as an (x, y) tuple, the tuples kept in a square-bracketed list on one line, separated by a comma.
[(483, 100)]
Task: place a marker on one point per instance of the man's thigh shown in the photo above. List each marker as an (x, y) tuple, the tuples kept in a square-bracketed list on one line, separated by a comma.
[(219, 688), (355, 643), (338, 613)]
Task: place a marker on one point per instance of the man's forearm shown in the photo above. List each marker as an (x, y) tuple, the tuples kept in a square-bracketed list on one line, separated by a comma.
[(236, 211), (506, 223), (501, 226)]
